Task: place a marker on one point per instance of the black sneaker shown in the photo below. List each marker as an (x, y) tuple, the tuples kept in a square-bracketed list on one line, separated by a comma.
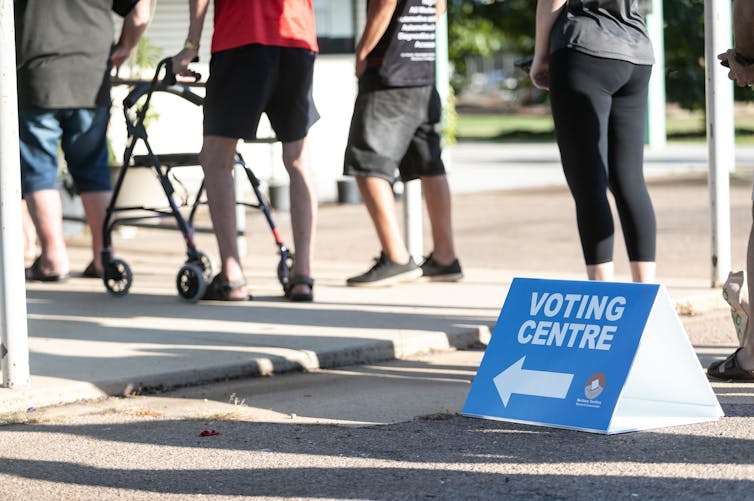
[(386, 272), (432, 270)]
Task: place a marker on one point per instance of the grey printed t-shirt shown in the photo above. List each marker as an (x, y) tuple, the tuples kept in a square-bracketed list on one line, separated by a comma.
[(612, 29)]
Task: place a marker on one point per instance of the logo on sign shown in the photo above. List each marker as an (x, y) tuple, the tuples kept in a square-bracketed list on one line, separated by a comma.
[(595, 386)]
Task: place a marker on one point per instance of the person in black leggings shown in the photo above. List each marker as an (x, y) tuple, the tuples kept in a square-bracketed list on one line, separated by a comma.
[(596, 61)]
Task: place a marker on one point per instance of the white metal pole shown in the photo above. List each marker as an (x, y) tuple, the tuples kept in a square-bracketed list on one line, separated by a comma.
[(14, 346), (656, 127), (720, 133), (412, 218), (239, 183)]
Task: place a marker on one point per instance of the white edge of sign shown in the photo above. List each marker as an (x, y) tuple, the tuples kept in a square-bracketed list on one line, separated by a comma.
[(664, 345)]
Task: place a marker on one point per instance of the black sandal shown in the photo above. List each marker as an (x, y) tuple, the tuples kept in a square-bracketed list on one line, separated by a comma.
[(300, 297), (91, 272), (729, 369), (219, 289), (34, 273)]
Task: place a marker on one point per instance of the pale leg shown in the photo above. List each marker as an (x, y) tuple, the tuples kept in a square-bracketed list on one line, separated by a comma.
[(95, 205), (304, 204), (380, 203), (46, 211), (643, 271), (437, 198), (217, 157), (603, 272)]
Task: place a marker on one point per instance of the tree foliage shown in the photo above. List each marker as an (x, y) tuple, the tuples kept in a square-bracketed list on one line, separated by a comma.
[(481, 27), (684, 52)]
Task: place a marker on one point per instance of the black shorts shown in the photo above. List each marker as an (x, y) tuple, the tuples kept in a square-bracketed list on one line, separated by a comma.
[(247, 81), (394, 127)]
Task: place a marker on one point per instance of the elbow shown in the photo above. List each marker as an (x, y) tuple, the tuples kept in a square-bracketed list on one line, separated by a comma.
[(141, 13)]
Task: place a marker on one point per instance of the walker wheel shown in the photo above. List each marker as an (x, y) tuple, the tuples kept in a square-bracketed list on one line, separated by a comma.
[(207, 264), (285, 265), (191, 283), (117, 277)]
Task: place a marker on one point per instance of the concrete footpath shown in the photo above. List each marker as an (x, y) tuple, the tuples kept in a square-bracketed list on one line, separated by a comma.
[(85, 344)]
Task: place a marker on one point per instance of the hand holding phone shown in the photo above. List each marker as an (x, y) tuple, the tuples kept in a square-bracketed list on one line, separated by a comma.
[(524, 63)]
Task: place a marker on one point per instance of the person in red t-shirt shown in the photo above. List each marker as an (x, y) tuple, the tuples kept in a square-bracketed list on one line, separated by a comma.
[(263, 56)]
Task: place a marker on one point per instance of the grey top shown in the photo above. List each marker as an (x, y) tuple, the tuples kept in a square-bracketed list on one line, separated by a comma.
[(63, 51), (613, 29)]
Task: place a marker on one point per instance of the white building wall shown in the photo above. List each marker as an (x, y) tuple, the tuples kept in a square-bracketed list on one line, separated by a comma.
[(334, 17), (177, 125)]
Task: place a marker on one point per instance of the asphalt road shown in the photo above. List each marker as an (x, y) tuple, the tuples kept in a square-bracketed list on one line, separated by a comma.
[(386, 431)]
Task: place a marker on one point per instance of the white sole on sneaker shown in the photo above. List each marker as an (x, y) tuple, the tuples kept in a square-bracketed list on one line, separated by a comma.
[(407, 276), (451, 277)]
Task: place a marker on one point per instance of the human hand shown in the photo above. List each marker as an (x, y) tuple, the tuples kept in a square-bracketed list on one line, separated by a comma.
[(540, 73), (182, 60), (360, 66), (119, 56), (741, 74)]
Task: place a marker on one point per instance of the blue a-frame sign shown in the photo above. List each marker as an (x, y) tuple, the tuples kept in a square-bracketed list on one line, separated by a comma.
[(563, 353)]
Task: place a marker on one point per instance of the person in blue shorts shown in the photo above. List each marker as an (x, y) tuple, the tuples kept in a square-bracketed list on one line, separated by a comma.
[(64, 102)]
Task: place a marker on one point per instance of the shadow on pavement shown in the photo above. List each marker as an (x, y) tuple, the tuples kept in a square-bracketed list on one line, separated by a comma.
[(450, 459)]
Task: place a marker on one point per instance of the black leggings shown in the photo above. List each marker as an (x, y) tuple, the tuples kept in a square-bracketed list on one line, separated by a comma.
[(599, 108)]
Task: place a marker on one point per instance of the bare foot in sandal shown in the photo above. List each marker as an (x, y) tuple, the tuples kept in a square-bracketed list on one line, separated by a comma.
[(300, 288), (219, 289)]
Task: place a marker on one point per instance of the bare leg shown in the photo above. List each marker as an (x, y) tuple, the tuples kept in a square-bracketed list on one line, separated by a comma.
[(437, 198), (746, 355), (743, 17), (95, 205), (303, 195), (603, 272), (30, 234), (380, 203), (46, 211), (216, 158), (643, 271)]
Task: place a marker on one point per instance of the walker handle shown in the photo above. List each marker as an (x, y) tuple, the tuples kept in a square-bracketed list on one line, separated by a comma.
[(168, 83)]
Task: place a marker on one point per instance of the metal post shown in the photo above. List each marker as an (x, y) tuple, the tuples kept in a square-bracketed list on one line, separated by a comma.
[(412, 218), (14, 342), (720, 134), (239, 184), (657, 133)]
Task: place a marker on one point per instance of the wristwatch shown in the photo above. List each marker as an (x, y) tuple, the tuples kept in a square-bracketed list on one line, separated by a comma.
[(188, 44)]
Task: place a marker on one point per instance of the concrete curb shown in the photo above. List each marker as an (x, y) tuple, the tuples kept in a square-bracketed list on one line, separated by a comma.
[(42, 394)]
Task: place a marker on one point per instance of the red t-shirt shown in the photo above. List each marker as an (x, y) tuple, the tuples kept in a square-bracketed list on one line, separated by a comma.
[(280, 23)]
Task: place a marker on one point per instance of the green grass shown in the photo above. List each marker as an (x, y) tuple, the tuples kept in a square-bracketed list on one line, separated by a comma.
[(504, 126), (681, 126)]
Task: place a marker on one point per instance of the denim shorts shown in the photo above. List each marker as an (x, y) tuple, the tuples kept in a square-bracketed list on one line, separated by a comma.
[(246, 81), (394, 128), (81, 134)]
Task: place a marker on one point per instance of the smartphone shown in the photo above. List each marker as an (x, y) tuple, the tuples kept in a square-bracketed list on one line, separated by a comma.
[(740, 59), (524, 63)]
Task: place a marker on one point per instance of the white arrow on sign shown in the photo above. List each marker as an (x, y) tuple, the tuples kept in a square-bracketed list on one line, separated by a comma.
[(516, 379)]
